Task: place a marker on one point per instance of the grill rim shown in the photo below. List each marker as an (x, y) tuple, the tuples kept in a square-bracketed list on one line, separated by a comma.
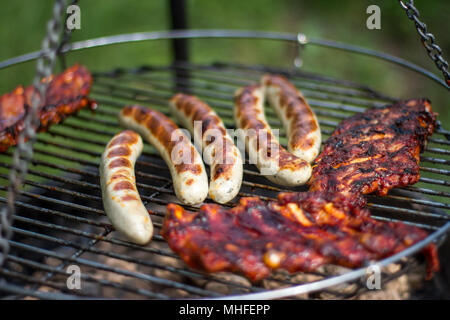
[(297, 289), (225, 34)]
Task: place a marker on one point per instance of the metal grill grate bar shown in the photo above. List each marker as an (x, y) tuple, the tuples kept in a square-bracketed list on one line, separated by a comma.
[(122, 257), (84, 277), (168, 191), (180, 271)]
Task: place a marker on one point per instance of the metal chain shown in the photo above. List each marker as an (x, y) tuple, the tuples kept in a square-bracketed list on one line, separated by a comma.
[(427, 38), (302, 40), (24, 151)]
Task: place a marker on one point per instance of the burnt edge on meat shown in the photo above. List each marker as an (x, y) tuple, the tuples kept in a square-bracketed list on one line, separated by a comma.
[(299, 232), (376, 150), (328, 224), (66, 94)]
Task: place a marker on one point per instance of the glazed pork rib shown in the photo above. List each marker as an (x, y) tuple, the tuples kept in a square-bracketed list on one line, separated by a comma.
[(376, 150), (66, 94), (299, 232)]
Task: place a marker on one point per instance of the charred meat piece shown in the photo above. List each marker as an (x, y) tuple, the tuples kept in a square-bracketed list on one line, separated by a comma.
[(299, 232), (349, 214), (376, 150), (65, 95)]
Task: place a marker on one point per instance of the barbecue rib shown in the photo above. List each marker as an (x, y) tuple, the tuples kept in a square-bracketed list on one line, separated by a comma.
[(376, 150), (299, 232), (65, 95), (369, 152)]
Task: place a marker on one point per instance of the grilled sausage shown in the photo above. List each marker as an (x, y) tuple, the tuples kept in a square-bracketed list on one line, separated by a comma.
[(217, 145), (272, 159), (121, 199), (298, 118), (185, 163)]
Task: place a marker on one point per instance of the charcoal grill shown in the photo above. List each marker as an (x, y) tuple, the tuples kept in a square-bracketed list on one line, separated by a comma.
[(59, 220)]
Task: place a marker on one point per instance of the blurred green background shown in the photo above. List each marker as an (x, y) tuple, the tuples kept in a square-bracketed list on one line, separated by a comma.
[(22, 27)]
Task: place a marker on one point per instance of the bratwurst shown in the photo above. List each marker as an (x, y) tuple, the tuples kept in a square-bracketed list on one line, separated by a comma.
[(298, 118), (185, 163), (121, 200), (272, 160), (218, 147)]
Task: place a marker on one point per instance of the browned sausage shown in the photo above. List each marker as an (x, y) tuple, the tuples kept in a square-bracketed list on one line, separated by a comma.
[(273, 161), (121, 200), (218, 147), (302, 127), (185, 163)]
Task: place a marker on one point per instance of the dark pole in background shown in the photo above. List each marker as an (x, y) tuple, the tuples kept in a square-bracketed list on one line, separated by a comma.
[(179, 22), (180, 50)]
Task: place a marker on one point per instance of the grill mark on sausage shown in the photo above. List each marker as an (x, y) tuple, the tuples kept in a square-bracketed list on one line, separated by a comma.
[(117, 176), (129, 197), (193, 168), (301, 142), (119, 162), (211, 122), (126, 137), (123, 185), (223, 170), (119, 151), (162, 128), (280, 81), (298, 113), (198, 111)]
